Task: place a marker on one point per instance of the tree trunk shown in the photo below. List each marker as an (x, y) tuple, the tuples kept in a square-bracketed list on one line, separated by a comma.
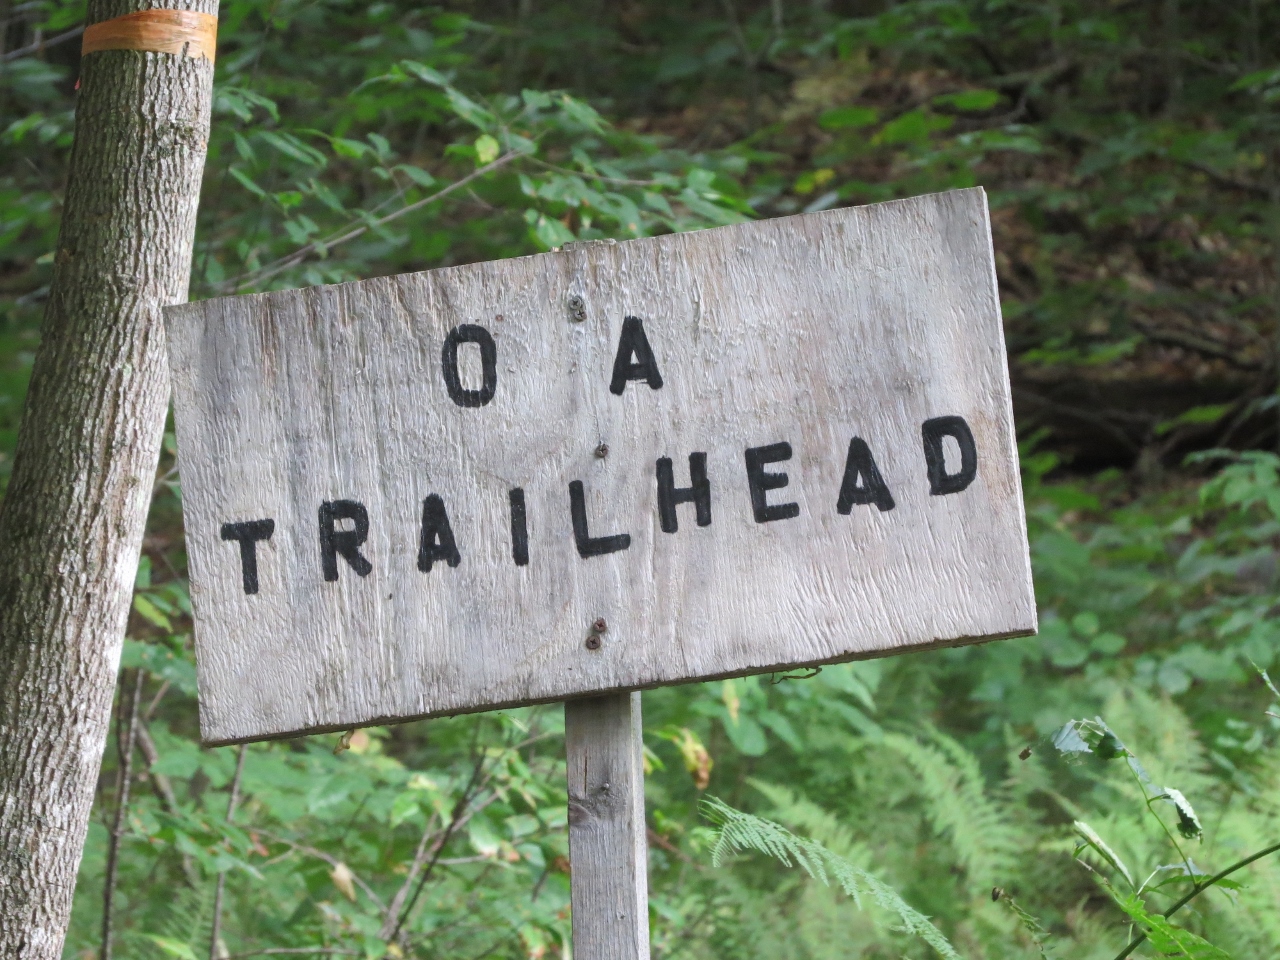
[(71, 524)]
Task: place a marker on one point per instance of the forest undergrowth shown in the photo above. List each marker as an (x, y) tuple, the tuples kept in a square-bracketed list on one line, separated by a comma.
[(1053, 796)]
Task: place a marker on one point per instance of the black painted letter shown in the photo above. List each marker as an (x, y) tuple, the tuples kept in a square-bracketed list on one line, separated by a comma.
[(698, 493), (933, 431), (633, 342), (436, 540), (860, 465), (249, 533), (470, 333), (760, 482), (345, 542), (519, 528), (589, 546)]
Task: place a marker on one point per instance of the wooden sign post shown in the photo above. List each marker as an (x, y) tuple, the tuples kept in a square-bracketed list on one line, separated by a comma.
[(593, 471), (608, 852)]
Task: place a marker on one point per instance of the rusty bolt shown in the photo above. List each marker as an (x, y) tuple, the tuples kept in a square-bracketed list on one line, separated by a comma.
[(577, 309), (599, 626), (593, 642), (602, 451)]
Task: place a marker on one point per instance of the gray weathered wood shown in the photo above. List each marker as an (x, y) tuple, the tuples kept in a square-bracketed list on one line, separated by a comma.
[(812, 329), (608, 851)]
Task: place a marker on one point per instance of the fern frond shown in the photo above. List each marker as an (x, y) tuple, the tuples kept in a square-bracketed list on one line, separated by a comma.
[(959, 806), (186, 922), (799, 813), (742, 831)]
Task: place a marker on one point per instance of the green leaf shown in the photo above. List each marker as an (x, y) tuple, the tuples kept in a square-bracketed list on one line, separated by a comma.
[(468, 109), (1107, 643), (1188, 823), (1168, 940), (914, 126), (150, 612), (486, 149), (405, 806), (325, 196), (175, 948), (1092, 839), (416, 174), (748, 736), (1085, 624), (348, 148), (294, 148), (536, 99), (1069, 740), (581, 113), (424, 73), (848, 118), (246, 182), (163, 659), (142, 580), (483, 839), (1210, 413), (551, 233), (973, 100), (381, 145)]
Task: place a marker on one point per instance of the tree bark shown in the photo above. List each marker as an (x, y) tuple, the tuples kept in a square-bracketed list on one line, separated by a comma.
[(71, 524)]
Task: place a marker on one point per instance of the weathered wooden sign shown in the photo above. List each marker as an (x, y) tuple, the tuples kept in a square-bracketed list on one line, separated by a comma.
[(607, 468)]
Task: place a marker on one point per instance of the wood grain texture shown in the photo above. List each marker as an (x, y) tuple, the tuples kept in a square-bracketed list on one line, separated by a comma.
[(608, 852), (811, 330), (73, 516)]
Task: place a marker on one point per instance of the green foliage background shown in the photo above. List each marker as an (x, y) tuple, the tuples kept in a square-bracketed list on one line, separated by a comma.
[(1128, 148)]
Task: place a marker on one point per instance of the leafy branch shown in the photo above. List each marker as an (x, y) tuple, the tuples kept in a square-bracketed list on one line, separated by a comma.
[(288, 261), (1094, 736), (1198, 889)]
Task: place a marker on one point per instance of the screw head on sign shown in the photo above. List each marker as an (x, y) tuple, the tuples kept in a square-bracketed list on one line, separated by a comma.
[(602, 451), (577, 309), (599, 626), (593, 642)]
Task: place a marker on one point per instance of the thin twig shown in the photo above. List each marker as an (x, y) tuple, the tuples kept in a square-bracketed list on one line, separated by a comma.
[(621, 181), (122, 809), (455, 821), (298, 256), (1186, 861), (155, 701), (657, 839), (42, 45), (232, 802), (419, 859), (159, 782), (163, 789), (474, 785), (1199, 889), (327, 858)]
